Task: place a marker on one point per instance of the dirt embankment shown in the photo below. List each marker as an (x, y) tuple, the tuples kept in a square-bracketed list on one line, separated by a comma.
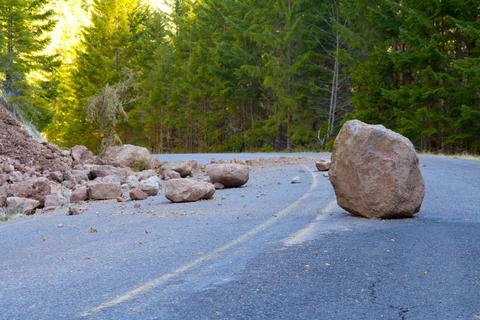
[(17, 148)]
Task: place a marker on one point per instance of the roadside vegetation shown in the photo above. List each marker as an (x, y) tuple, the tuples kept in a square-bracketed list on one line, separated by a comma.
[(243, 75)]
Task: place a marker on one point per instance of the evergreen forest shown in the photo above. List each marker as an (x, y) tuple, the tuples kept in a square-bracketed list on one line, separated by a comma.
[(243, 75)]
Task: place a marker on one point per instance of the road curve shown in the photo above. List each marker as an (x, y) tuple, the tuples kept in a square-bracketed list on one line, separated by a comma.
[(271, 250)]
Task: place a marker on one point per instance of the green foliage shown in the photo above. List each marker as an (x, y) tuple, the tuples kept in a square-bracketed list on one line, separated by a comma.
[(25, 69), (240, 75), (419, 72), (107, 108), (227, 76)]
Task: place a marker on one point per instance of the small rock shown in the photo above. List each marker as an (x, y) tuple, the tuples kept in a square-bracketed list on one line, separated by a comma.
[(72, 211), (53, 201), (218, 186), (170, 174), (81, 154), (19, 205), (7, 168), (80, 194), (323, 164), (296, 179), (184, 168), (60, 225), (78, 175), (70, 183), (56, 176), (132, 181), (110, 179), (3, 195), (100, 171), (150, 186), (145, 174), (138, 195)]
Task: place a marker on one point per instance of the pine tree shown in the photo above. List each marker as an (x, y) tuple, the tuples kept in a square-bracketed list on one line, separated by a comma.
[(419, 74), (106, 51), (24, 34), (24, 26)]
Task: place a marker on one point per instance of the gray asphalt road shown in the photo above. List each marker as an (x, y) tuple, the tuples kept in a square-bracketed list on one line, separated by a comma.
[(271, 250)]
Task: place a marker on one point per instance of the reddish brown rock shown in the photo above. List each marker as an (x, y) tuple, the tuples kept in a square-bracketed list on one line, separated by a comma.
[(81, 154), (137, 194), (104, 191), (231, 175), (127, 155), (78, 175), (19, 205), (3, 195), (79, 194), (375, 172), (188, 190), (145, 174), (184, 168), (35, 188), (100, 171), (53, 201), (56, 176), (323, 164), (170, 174)]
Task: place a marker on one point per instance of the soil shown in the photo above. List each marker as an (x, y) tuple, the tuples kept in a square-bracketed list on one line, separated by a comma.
[(26, 153)]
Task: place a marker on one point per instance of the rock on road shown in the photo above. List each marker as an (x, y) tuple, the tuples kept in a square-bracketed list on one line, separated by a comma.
[(270, 250)]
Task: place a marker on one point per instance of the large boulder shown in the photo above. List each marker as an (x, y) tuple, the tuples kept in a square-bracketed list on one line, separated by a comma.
[(104, 190), (231, 175), (375, 172), (188, 190), (184, 168), (127, 155), (20, 205)]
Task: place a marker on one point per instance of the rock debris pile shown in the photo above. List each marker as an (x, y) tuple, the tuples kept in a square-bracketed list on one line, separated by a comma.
[(41, 176)]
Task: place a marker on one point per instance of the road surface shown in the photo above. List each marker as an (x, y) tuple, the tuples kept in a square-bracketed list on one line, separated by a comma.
[(270, 250)]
